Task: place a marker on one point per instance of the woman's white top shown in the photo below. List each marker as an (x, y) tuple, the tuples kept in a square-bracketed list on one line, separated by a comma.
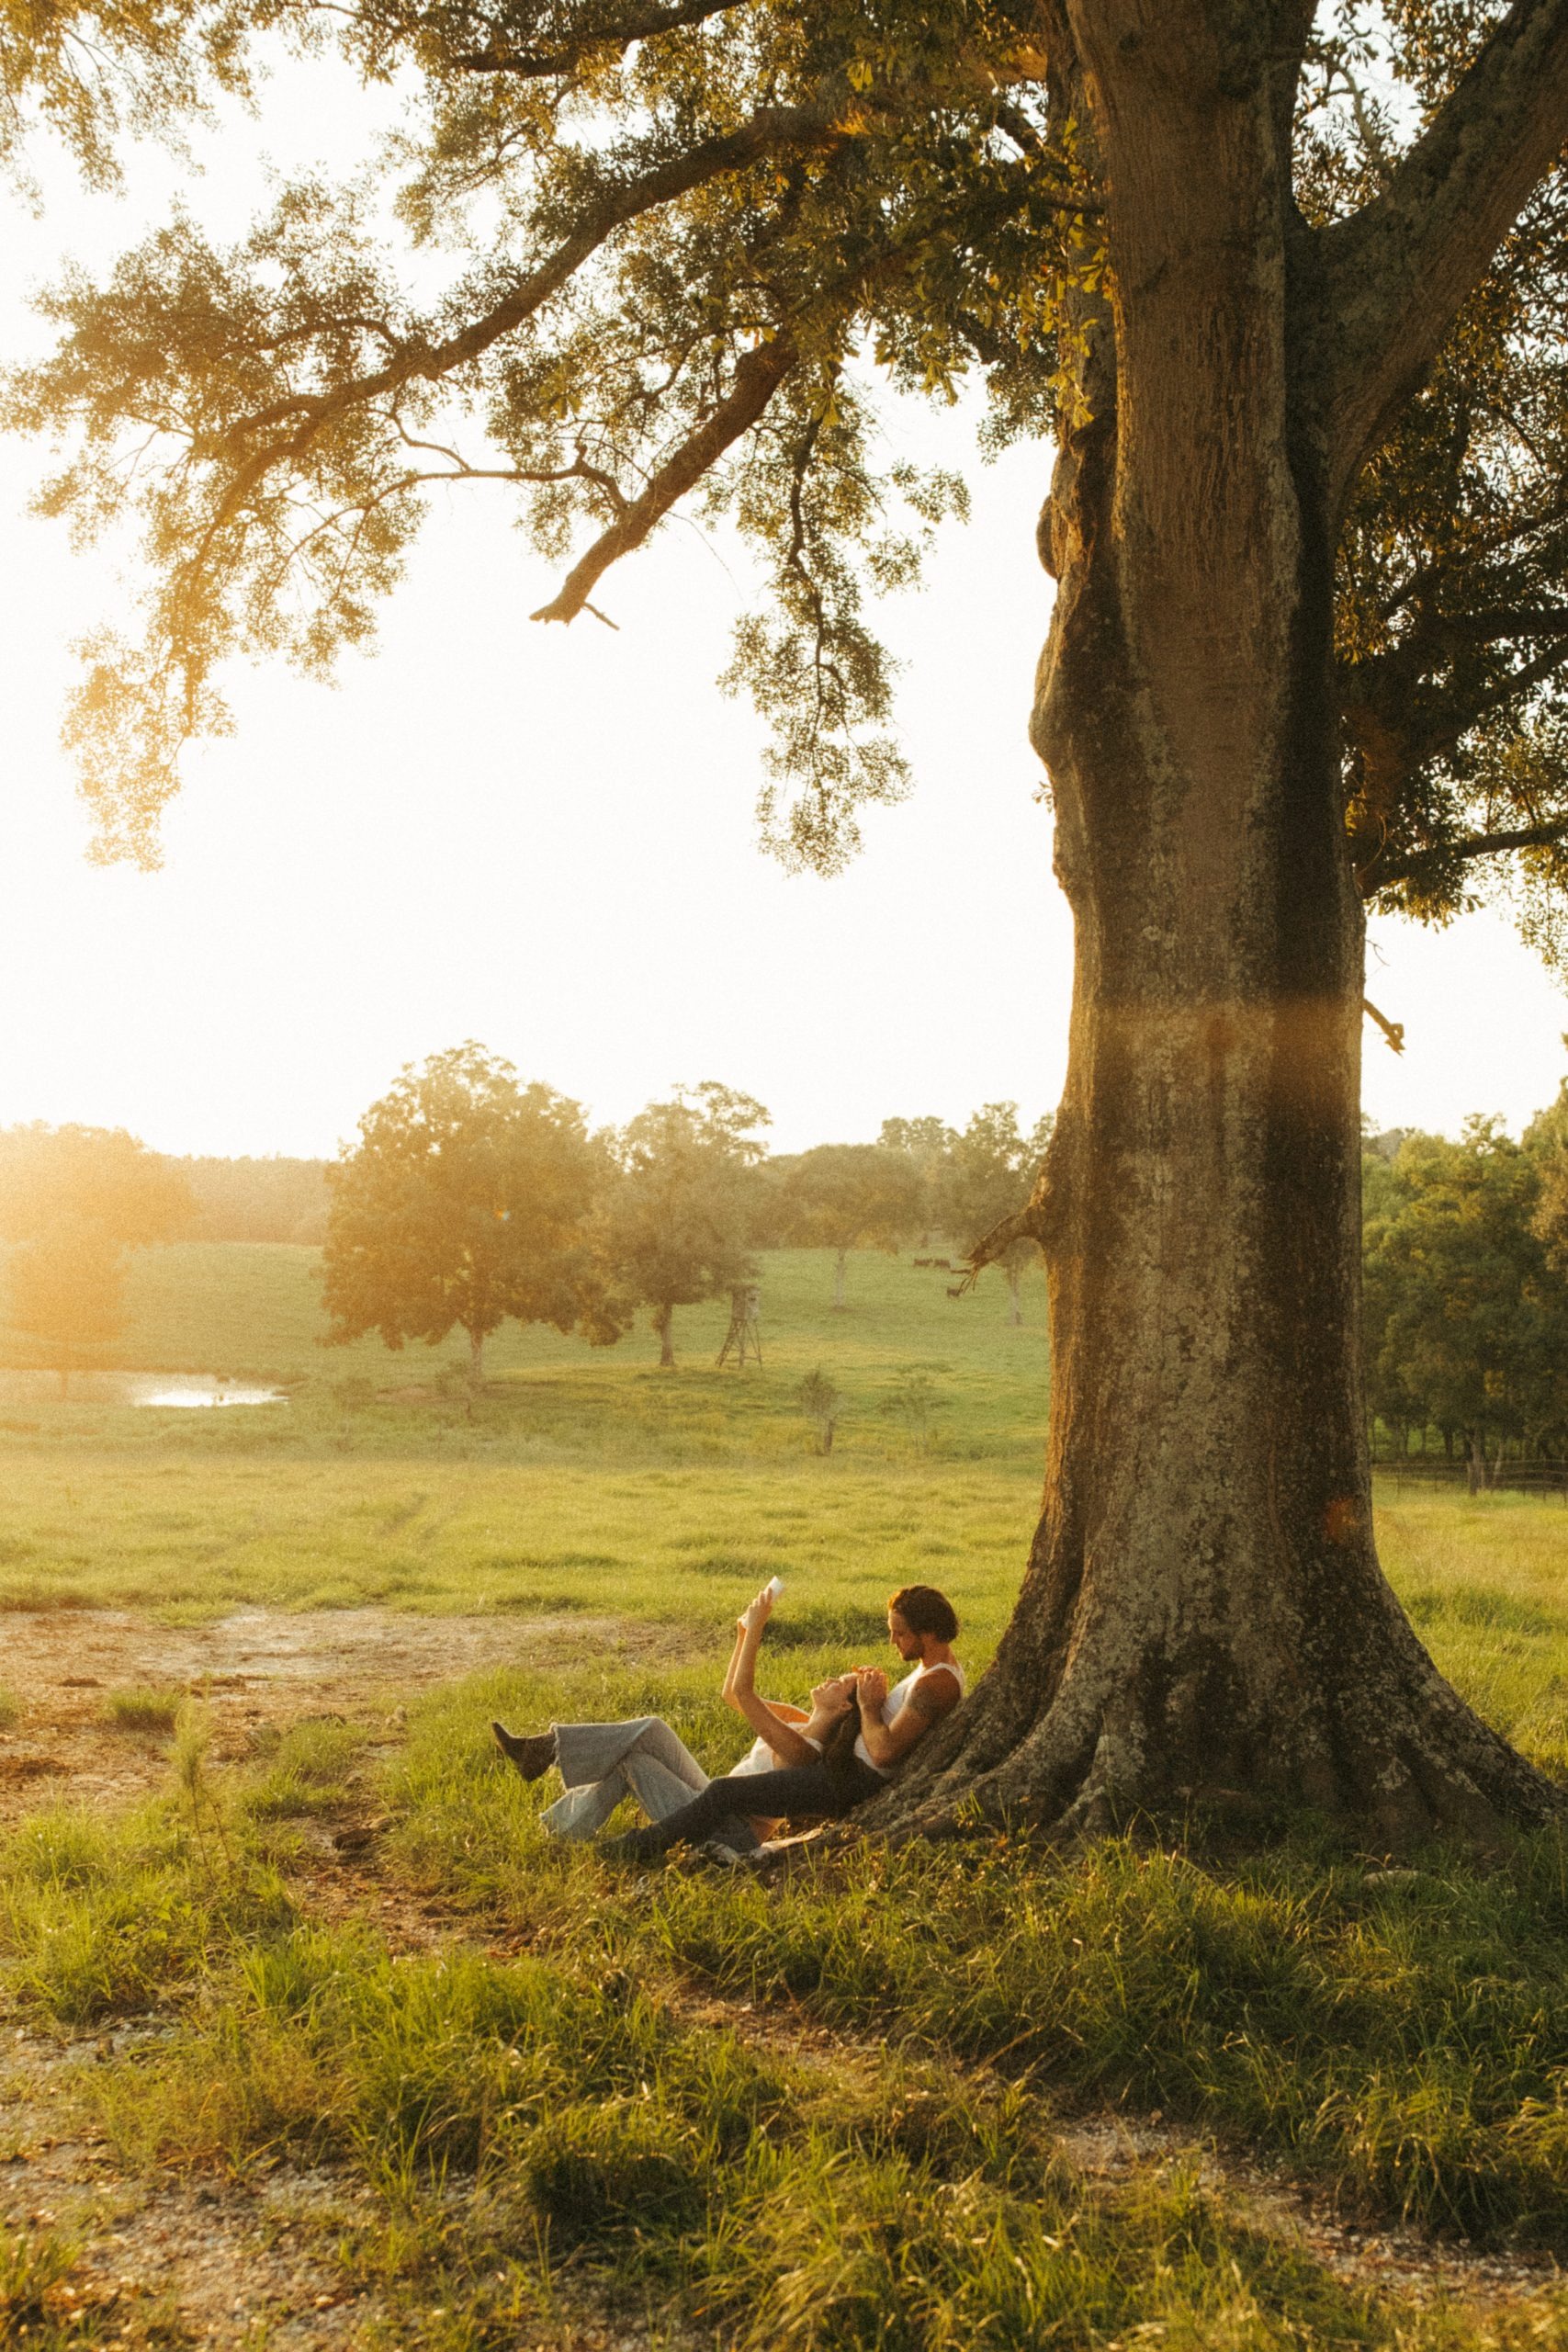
[(760, 1757), (893, 1705)]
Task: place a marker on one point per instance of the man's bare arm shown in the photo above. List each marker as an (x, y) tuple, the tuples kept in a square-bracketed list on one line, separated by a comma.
[(935, 1695)]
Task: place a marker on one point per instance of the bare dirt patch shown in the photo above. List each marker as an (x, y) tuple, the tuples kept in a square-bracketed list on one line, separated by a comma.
[(169, 2256), (256, 1667), (174, 2259)]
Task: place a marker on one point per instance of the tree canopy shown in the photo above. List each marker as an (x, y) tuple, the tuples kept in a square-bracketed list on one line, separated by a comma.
[(467, 1202), (680, 1217), (844, 1196), (679, 246), (73, 1201)]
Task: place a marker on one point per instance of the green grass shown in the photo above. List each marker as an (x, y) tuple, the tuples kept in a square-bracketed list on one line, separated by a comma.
[(140, 1710), (599, 2087), (782, 2205), (554, 2094), (251, 1310)]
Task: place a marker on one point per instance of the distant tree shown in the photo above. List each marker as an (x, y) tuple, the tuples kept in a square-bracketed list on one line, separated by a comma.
[(926, 1142), (1468, 1322), (467, 1202), (67, 1289), (680, 1219), (821, 1402), (989, 1174), (845, 1196), (76, 1201)]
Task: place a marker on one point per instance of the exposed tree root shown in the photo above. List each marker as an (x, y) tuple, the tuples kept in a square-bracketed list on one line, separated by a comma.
[(1396, 1756)]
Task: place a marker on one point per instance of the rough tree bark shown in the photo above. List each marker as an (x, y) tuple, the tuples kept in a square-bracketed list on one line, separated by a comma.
[(1203, 1611)]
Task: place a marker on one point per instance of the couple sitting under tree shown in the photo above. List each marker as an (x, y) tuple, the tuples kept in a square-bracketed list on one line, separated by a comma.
[(805, 1765)]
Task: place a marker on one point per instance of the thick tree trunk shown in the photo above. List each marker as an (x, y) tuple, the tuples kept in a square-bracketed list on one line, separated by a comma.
[(839, 1264), (1203, 1613), (663, 1321)]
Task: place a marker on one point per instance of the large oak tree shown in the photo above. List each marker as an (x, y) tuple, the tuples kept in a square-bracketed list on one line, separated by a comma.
[(1284, 286)]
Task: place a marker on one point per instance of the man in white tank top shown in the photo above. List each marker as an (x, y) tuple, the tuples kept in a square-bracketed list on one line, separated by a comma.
[(892, 1721)]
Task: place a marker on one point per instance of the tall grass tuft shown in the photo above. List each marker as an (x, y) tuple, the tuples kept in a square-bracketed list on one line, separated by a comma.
[(140, 1710), (100, 1918)]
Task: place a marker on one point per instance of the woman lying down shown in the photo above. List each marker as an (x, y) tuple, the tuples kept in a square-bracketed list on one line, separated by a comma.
[(814, 1765)]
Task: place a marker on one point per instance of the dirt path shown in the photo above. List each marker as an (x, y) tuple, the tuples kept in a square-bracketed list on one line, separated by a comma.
[(171, 2262), (165, 2259), (168, 2260), (258, 1667), (1391, 2260)]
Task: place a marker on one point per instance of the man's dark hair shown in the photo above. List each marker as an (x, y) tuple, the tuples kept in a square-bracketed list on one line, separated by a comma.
[(925, 1610)]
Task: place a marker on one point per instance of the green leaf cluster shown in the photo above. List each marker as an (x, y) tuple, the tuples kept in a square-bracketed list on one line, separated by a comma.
[(1466, 1315)]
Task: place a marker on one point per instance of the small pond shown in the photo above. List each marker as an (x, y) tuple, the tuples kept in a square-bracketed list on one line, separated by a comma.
[(162, 1389)]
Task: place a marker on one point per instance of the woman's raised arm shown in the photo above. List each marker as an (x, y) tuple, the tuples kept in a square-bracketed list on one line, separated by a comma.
[(741, 1688)]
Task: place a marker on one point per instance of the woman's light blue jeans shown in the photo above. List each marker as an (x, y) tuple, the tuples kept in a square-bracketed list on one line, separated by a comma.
[(602, 1763)]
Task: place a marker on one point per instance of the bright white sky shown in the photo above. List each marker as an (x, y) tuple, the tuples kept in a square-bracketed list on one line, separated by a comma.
[(543, 839)]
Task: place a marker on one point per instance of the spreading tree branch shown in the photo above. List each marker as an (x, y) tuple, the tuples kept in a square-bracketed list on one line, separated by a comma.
[(757, 378), (1411, 867), (769, 131), (617, 32), (1395, 276)]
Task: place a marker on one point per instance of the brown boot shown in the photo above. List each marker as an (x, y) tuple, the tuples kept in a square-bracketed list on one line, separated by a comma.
[(532, 1757)]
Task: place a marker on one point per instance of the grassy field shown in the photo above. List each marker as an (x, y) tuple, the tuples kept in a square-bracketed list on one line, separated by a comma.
[(846, 2114), (253, 1310)]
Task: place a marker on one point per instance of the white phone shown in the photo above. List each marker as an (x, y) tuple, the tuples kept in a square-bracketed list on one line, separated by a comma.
[(773, 1587)]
